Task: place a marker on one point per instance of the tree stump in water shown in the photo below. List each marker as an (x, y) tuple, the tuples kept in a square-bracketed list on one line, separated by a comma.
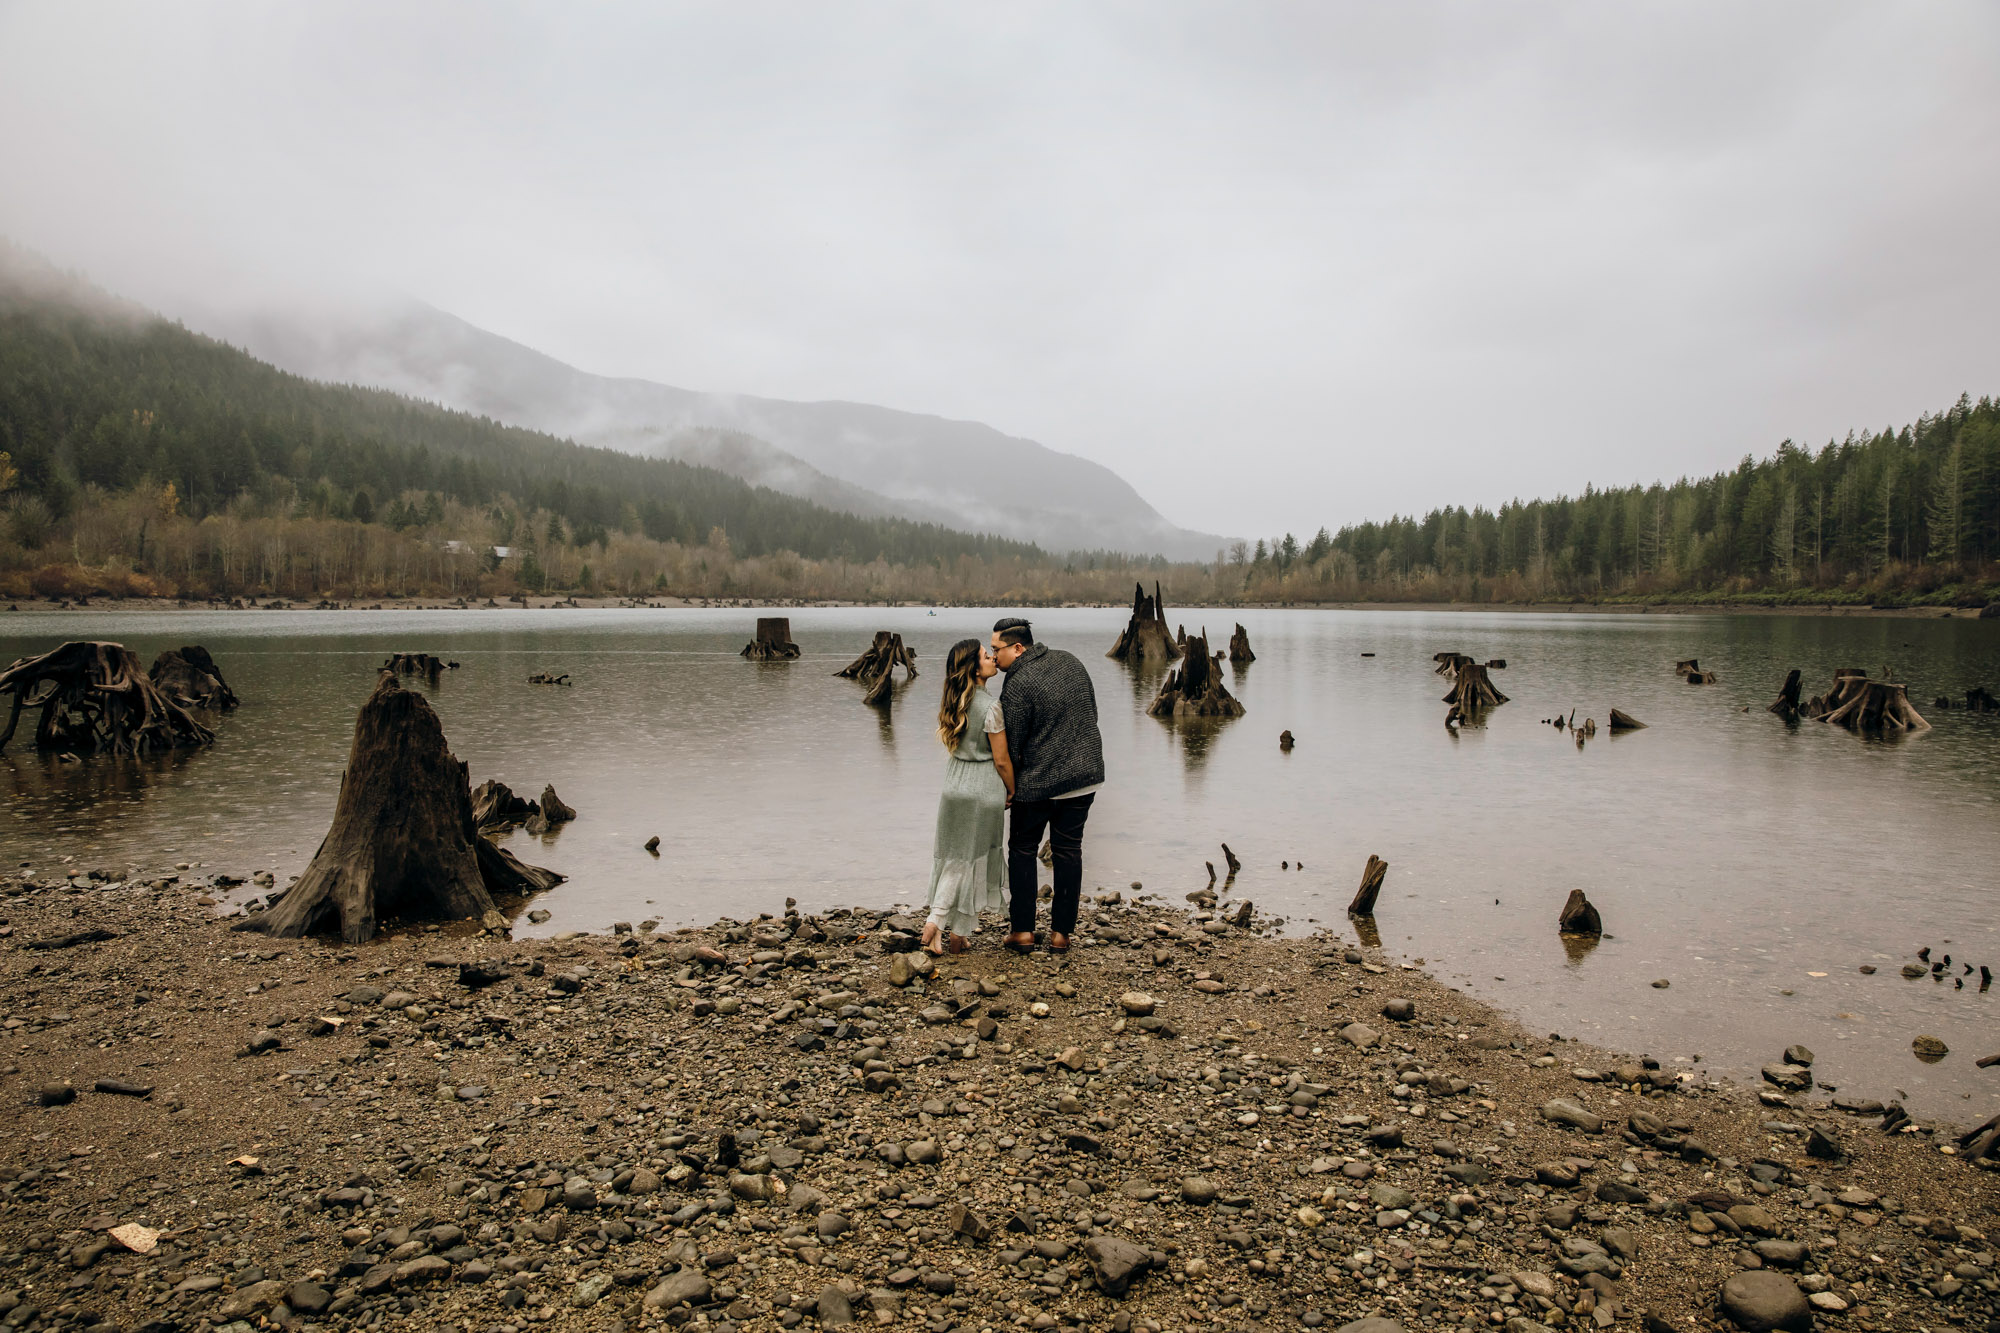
[(1579, 917), (416, 664), (1786, 705), (553, 808), (1473, 690), (1847, 682), (773, 642), (875, 667), (1180, 637), (494, 805), (403, 842), (1195, 688), (190, 677), (94, 696), (1372, 876), (1447, 663), (1239, 647), (1621, 721), (1979, 701), (1872, 705), (1145, 638)]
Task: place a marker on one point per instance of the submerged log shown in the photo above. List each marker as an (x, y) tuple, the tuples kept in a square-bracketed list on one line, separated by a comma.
[(549, 678), (1473, 689), (1872, 705), (1622, 721), (1371, 887), (773, 642), (94, 696), (875, 667), (190, 677), (1195, 688), (1239, 647), (1786, 705), (403, 842), (1145, 638), (1579, 917)]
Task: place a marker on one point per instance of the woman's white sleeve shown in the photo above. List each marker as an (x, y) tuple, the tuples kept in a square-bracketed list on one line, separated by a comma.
[(994, 722)]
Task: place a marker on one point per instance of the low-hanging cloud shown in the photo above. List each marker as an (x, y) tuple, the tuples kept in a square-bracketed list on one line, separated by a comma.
[(1277, 265)]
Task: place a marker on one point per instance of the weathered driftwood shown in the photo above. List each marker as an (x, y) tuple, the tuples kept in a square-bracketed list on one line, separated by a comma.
[(1472, 690), (1579, 917), (403, 843), (1195, 688), (1689, 669), (1621, 721), (1786, 705), (94, 696), (773, 642), (190, 677), (1239, 647), (876, 667), (494, 805), (417, 664), (1145, 638), (1371, 887), (549, 678)]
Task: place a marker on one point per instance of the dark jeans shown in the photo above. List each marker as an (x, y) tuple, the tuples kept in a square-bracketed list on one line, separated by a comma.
[(1064, 822)]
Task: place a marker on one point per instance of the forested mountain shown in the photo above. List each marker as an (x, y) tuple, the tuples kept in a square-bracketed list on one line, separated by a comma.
[(97, 393), (853, 456), (1907, 510)]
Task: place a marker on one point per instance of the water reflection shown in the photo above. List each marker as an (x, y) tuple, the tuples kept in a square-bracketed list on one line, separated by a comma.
[(1576, 948), (1365, 931)]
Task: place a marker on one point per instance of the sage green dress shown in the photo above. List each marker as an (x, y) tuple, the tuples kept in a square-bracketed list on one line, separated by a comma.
[(969, 865)]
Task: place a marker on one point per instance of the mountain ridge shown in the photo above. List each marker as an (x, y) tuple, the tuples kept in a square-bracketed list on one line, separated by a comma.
[(861, 457)]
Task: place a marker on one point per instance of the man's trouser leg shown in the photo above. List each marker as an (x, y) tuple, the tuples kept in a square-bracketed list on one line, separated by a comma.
[(1066, 841), (1025, 824)]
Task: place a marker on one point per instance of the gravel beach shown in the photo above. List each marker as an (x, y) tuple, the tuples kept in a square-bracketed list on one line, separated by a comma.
[(791, 1121)]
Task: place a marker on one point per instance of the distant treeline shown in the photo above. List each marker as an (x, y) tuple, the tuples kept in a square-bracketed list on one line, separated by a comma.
[(1900, 515)]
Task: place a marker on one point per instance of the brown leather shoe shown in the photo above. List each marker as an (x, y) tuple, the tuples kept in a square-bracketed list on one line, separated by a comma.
[(1058, 942), (1024, 942)]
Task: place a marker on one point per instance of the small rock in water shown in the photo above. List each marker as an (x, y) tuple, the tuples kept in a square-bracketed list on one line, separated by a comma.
[(1929, 1049), (1798, 1055), (1662, 984), (653, 844)]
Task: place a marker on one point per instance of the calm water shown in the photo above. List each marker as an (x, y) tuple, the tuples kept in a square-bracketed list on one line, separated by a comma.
[(1730, 853)]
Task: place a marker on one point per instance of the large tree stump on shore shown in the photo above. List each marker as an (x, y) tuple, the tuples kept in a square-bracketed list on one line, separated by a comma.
[(403, 842), (94, 696), (1786, 705), (773, 642), (190, 677), (1473, 690), (1195, 688), (1239, 647), (875, 667), (1145, 638)]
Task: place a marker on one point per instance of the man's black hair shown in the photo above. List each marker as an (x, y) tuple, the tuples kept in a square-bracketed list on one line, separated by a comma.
[(1013, 629)]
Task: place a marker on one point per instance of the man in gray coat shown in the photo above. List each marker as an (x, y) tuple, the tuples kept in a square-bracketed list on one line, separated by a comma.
[(1050, 710)]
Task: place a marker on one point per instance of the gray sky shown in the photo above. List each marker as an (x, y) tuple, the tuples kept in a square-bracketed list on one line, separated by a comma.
[(1277, 264)]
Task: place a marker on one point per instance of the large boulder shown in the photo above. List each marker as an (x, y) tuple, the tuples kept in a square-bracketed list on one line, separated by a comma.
[(1761, 1300)]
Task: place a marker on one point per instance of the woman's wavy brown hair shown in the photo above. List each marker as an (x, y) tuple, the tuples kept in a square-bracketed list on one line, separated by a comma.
[(961, 678)]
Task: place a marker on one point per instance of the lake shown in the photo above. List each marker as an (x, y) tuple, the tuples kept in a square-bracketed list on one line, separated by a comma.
[(1755, 865)]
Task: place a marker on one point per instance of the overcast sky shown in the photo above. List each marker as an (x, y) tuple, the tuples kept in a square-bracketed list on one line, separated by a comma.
[(1277, 264)]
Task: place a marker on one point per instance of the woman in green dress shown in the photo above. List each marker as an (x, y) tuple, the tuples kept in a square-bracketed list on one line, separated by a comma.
[(969, 865)]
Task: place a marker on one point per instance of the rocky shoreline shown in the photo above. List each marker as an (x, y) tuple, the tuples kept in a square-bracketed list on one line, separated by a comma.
[(791, 1122)]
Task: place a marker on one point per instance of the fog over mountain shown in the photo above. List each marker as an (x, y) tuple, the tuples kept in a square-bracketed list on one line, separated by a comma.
[(864, 459)]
